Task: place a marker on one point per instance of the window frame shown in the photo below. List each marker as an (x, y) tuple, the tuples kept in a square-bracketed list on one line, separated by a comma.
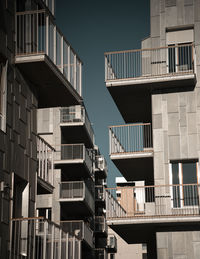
[(181, 185)]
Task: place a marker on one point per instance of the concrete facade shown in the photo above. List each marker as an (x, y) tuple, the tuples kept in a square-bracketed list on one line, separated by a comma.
[(18, 154), (174, 107)]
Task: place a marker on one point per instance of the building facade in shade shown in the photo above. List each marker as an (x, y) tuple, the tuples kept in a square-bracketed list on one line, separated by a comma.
[(48, 160), (156, 90)]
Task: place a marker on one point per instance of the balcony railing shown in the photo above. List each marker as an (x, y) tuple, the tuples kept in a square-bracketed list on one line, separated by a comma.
[(75, 114), (50, 4), (113, 207), (112, 242), (156, 201), (100, 193), (147, 63), (73, 153), (70, 191), (80, 229), (100, 224), (45, 154), (36, 34), (131, 138), (38, 238)]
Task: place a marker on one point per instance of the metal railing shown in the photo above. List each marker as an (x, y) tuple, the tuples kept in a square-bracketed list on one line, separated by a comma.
[(100, 193), (75, 152), (39, 238), (45, 155), (112, 242), (144, 63), (50, 4), (130, 138), (113, 207), (36, 34), (76, 190), (101, 224), (74, 114), (79, 229), (156, 201)]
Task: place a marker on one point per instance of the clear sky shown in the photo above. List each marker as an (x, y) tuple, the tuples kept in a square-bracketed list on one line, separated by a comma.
[(93, 27)]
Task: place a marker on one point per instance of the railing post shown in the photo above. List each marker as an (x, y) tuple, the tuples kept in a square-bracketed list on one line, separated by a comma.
[(75, 72), (54, 44), (47, 34), (61, 54), (44, 239), (52, 241), (69, 65)]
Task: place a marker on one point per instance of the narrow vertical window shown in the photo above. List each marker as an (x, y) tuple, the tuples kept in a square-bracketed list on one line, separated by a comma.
[(3, 94)]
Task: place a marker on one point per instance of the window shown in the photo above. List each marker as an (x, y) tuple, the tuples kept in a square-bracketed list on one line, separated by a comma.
[(3, 94), (184, 178), (180, 58)]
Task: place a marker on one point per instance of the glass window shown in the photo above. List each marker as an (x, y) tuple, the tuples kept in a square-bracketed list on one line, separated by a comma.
[(184, 180), (3, 94)]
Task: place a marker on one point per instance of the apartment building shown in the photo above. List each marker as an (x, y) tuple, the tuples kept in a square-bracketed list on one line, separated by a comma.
[(47, 186), (156, 90)]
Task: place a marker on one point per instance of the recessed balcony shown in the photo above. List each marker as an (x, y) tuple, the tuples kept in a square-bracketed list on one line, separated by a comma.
[(80, 229), (131, 76), (75, 160), (100, 193), (131, 150), (111, 243), (101, 253), (76, 199), (75, 125), (45, 170), (153, 207), (46, 60), (101, 227)]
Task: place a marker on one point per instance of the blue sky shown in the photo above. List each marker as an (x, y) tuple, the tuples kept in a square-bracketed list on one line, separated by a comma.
[(92, 28)]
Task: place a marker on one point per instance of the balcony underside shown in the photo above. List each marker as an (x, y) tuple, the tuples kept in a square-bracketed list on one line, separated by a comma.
[(76, 133), (140, 230), (72, 170), (100, 174), (135, 167), (77, 208), (44, 187), (133, 96), (48, 81)]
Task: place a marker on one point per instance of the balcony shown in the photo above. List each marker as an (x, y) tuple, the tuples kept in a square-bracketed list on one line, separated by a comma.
[(100, 193), (132, 75), (39, 238), (75, 123), (153, 207), (41, 49), (101, 225), (101, 169), (131, 150), (113, 207), (76, 199), (112, 243), (79, 229), (76, 159), (101, 253), (45, 170)]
